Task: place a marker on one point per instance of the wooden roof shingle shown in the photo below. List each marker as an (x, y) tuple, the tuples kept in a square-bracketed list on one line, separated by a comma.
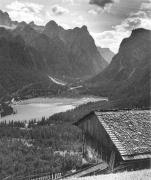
[(130, 131)]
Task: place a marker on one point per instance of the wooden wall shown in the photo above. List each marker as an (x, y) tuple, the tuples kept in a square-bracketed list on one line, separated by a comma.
[(97, 142), (98, 146)]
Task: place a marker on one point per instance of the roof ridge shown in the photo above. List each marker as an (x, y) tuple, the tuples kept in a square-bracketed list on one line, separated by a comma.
[(120, 110)]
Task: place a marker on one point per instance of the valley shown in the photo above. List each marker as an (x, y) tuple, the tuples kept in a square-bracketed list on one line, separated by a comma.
[(69, 104)]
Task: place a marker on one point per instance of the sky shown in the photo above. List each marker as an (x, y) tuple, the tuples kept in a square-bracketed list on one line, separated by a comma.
[(108, 21)]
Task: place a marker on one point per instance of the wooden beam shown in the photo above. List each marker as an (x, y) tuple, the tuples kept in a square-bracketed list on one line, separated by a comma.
[(112, 160), (83, 144)]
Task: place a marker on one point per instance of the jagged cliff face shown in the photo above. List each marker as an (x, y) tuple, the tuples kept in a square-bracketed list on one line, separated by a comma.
[(83, 55), (5, 19), (20, 65), (106, 53), (30, 54), (128, 75), (66, 53), (134, 52), (23, 70)]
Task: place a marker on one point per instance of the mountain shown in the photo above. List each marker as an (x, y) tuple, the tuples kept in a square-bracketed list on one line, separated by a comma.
[(21, 68), (127, 78), (68, 54), (31, 56), (106, 53), (5, 19), (84, 57)]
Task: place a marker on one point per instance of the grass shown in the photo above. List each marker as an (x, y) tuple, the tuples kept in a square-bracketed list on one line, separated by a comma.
[(135, 175)]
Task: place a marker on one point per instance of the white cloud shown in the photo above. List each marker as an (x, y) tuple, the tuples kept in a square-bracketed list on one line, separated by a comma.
[(26, 7), (96, 11), (146, 7), (25, 11), (140, 19), (113, 38), (68, 1), (79, 21), (110, 39), (58, 10), (24, 16), (93, 12)]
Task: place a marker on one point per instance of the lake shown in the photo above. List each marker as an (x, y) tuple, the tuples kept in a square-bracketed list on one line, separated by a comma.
[(37, 108)]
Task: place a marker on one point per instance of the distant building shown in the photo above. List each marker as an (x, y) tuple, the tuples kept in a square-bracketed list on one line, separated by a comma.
[(122, 139)]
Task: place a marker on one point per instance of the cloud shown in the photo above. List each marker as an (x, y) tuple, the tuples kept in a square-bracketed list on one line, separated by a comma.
[(26, 7), (58, 10), (95, 11), (110, 39), (106, 5), (146, 7), (113, 38), (129, 24), (68, 1), (79, 21), (101, 3), (139, 19), (25, 11)]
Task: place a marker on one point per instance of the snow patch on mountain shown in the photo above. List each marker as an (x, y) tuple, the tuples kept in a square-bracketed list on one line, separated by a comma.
[(57, 81), (77, 87)]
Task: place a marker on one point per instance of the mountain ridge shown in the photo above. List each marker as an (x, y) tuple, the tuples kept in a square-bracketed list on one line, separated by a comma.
[(127, 78), (68, 55), (106, 53)]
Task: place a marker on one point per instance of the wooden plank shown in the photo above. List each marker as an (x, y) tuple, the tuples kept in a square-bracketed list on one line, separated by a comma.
[(112, 161), (93, 169)]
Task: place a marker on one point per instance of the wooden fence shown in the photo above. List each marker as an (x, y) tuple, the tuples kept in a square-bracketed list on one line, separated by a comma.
[(42, 176)]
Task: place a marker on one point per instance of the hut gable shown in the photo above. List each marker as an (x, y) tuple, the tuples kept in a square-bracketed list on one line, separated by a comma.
[(130, 131)]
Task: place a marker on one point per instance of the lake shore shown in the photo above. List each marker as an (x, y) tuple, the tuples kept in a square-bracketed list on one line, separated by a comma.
[(36, 108)]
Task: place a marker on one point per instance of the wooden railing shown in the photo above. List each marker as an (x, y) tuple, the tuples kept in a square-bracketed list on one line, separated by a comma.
[(41, 176), (59, 176)]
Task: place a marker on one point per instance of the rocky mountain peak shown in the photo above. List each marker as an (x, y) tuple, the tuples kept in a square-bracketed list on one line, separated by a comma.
[(52, 23), (84, 28), (136, 43), (52, 29), (106, 53), (32, 23), (128, 75), (138, 31), (78, 30), (5, 19)]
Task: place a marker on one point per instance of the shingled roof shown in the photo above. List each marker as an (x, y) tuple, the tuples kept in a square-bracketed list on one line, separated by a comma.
[(130, 131)]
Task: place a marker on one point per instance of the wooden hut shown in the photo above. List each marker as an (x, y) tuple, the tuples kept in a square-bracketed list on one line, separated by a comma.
[(121, 138)]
